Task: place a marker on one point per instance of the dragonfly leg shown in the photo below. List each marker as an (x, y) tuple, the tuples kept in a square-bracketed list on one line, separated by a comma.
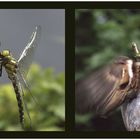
[(0, 70)]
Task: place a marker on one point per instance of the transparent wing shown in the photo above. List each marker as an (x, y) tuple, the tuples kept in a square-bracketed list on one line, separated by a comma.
[(26, 56), (25, 85)]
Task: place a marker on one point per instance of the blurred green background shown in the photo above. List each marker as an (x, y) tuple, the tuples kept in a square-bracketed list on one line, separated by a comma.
[(49, 90), (101, 35)]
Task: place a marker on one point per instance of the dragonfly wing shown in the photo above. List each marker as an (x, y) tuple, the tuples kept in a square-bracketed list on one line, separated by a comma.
[(25, 84), (105, 90), (26, 57)]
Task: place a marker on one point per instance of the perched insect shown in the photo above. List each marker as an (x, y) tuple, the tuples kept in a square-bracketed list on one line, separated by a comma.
[(17, 69), (115, 85)]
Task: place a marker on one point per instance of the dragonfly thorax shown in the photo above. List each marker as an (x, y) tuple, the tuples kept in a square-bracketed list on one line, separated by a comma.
[(9, 63)]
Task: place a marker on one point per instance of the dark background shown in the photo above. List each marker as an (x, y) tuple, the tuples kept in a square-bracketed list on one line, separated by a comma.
[(101, 35)]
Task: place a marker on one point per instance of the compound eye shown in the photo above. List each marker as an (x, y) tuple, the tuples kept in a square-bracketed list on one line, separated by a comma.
[(5, 52)]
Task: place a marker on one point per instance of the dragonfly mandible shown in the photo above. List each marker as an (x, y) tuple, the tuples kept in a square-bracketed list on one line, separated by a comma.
[(17, 70)]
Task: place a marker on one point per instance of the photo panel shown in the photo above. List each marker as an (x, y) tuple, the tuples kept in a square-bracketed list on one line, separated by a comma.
[(32, 70), (107, 69)]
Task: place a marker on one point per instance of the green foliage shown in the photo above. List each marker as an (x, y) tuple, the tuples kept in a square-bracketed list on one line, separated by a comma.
[(109, 30), (48, 114), (101, 35)]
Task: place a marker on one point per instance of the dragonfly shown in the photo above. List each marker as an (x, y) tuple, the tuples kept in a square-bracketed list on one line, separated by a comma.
[(115, 85), (17, 70)]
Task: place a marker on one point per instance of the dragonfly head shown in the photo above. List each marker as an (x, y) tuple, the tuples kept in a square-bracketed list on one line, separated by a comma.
[(5, 53)]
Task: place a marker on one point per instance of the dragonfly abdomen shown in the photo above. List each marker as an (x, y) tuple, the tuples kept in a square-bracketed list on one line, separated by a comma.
[(19, 101), (11, 69)]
